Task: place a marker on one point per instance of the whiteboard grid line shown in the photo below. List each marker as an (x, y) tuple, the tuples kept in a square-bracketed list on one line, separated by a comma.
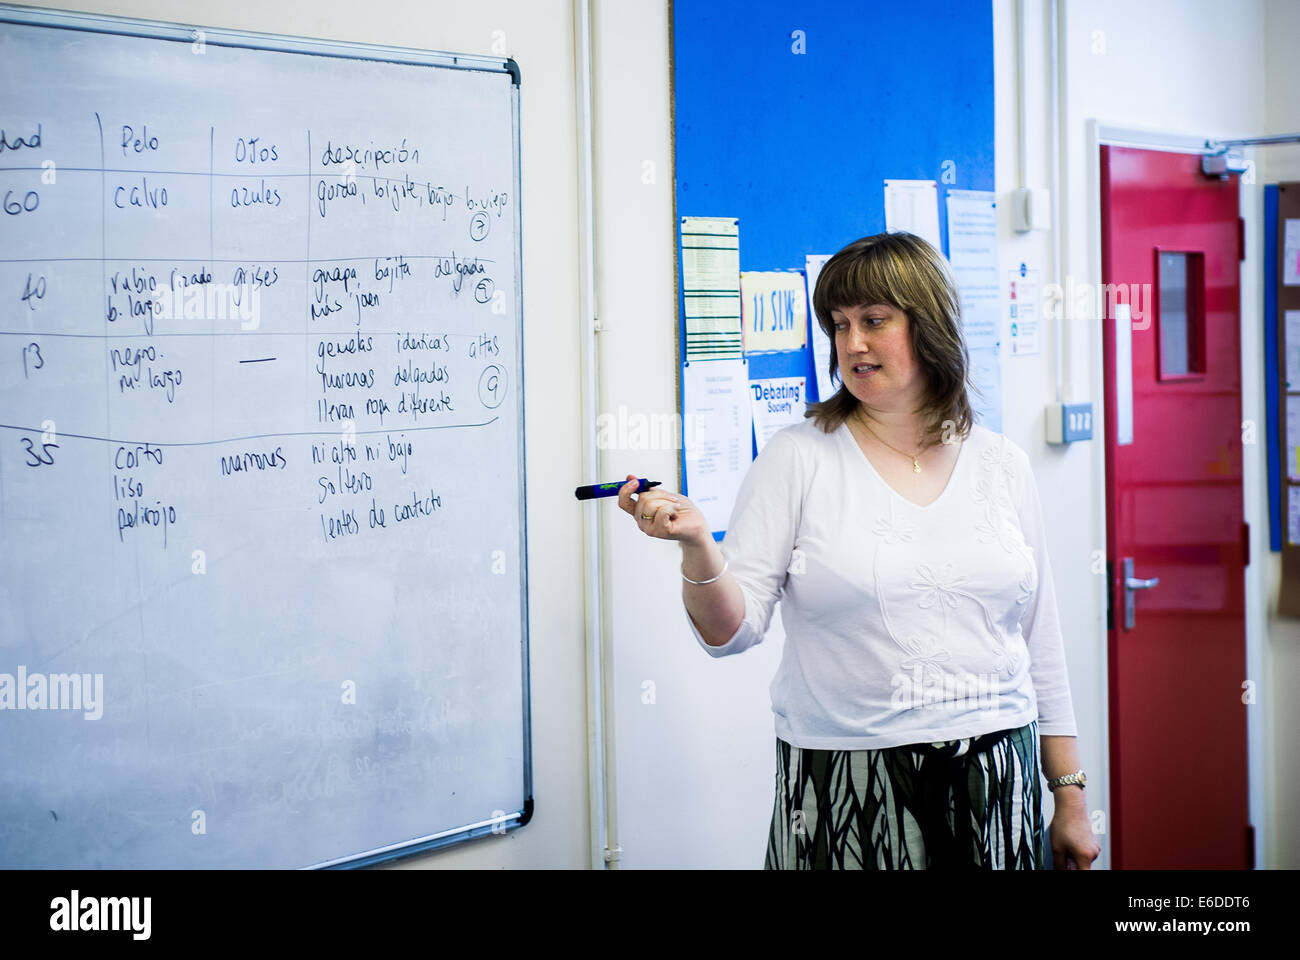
[(222, 333), (246, 175), (414, 256), (260, 436), (307, 313), (253, 40)]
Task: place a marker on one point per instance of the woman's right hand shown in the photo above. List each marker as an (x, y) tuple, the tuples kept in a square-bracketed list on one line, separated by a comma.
[(663, 514)]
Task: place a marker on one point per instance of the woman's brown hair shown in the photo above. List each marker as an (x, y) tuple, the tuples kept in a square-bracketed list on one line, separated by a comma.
[(904, 271)]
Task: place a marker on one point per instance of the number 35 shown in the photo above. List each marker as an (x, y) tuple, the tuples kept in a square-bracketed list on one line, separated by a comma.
[(43, 456)]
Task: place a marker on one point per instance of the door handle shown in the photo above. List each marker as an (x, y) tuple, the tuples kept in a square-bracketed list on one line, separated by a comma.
[(1131, 584)]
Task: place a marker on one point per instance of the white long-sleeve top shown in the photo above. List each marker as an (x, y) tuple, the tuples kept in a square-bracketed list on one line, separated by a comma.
[(904, 624)]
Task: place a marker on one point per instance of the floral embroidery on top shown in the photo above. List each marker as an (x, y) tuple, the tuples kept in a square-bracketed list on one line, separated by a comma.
[(1004, 658), (936, 587), (993, 494), (1002, 461), (1027, 586), (894, 529), (1029, 582), (925, 654), (997, 525)]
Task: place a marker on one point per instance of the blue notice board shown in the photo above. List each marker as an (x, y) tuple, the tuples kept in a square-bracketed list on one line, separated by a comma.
[(790, 117)]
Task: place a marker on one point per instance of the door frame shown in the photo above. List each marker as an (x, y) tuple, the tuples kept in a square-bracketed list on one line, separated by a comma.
[(1259, 738)]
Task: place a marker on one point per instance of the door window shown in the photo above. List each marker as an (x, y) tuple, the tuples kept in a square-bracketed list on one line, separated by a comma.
[(1180, 313)]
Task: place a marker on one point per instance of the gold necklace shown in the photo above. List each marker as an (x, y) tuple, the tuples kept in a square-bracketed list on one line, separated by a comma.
[(916, 465)]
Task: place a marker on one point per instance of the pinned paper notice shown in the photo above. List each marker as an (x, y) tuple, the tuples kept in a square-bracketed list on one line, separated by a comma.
[(986, 373), (912, 206), (821, 343), (719, 443), (1291, 254), (777, 403), (711, 286), (1293, 437), (1291, 348), (1293, 516), (1022, 301), (973, 253), (774, 310)]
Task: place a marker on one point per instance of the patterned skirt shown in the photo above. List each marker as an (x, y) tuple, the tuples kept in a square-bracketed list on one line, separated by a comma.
[(960, 804)]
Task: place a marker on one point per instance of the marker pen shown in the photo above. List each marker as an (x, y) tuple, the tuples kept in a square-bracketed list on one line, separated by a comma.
[(611, 489)]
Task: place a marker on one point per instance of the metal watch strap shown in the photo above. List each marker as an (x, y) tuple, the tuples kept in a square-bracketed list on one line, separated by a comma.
[(1069, 778)]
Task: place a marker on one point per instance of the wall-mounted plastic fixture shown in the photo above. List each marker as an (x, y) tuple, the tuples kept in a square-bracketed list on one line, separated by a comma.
[(1031, 209), (1068, 422)]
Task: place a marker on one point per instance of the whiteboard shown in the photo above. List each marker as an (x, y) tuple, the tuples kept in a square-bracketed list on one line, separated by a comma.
[(263, 598)]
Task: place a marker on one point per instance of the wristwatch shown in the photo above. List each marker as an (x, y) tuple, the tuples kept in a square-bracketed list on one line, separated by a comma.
[(1076, 777)]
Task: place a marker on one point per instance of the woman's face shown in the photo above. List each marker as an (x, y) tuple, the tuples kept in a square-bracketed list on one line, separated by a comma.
[(877, 334)]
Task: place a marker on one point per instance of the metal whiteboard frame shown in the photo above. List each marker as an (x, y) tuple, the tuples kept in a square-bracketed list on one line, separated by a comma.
[(346, 50)]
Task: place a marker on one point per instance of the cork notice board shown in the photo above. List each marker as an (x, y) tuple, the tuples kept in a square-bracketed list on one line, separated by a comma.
[(1287, 396)]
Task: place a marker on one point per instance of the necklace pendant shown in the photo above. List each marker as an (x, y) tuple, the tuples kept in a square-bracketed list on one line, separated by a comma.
[(916, 467)]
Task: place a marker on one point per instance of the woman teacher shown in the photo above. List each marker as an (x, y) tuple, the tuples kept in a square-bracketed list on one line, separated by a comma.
[(923, 655)]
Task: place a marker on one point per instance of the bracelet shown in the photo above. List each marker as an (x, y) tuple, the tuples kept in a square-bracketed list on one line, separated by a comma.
[(1078, 779), (726, 563)]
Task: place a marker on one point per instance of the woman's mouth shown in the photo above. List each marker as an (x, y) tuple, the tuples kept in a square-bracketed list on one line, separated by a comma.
[(865, 369)]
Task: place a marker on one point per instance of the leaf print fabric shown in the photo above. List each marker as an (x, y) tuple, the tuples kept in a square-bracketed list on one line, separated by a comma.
[(970, 804)]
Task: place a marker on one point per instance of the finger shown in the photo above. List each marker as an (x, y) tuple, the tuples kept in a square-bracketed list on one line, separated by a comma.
[(640, 505), (1059, 859), (670, 521), (654, 499), (648, 509), (664, 515), (662, 524), (661, 511), (625, 500)]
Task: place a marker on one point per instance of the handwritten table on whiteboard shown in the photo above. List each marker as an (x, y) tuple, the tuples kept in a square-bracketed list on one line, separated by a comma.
[(261, 459)]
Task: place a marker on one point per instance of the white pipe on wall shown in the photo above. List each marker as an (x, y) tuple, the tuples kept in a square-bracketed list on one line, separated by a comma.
[(592, 523), (1058, 202), (1022, 159)]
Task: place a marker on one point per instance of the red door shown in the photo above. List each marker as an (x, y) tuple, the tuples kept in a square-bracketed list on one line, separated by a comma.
[(1171, 250)]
